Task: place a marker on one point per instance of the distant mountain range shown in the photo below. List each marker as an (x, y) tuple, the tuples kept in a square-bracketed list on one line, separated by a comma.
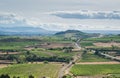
[(21, 30), (29, 30)]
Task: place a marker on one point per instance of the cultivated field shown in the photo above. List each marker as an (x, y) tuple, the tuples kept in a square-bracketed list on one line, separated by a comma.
[(37, 70), (29, 54), (100, 44), (97, 69), (56, 45), (91, 57)]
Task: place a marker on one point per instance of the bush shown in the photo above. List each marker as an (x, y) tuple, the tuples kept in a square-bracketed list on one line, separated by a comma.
[(45, 62), (30, 76), (4, 76)]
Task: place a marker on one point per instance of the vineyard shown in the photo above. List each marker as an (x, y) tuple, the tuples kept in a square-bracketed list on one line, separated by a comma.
[(85, 70), (37, 70)]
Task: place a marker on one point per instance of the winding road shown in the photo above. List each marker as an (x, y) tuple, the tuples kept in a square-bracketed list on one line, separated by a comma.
[(65, 69)]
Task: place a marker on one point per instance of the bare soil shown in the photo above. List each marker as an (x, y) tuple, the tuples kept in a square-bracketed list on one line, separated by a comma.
[(100, 44), (55, 45), (3, 65), (6, 62), (99, 76), (3, 53)]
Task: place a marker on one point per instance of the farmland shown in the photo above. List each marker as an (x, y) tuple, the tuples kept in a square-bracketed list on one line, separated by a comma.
[(27, 54), (104, 69), (22, 49), (91, 57), (37, 70)]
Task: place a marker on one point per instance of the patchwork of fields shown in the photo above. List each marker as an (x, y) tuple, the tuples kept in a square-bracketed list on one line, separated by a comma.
[(23, 51)]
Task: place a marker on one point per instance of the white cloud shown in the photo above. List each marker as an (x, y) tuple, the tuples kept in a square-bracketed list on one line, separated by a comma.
[(11, 18), (86, 14)]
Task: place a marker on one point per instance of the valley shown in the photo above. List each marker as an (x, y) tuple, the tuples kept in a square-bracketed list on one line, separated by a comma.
[(60, 55)]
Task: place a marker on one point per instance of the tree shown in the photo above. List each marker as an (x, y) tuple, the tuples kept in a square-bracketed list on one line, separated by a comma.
[(96, 52), (4, 76), (45, 62), (31, 76), (67, 49)]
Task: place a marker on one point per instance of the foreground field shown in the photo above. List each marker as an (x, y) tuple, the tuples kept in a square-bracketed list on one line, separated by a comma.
[(103, 69), (37, 70)]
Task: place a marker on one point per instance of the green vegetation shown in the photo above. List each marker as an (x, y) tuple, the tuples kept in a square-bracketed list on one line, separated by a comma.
[(104, 39), (91, 57), (16, 43), (104, 69), (37, 70), (67, 76), (52, 55), (86, 43), (19, 44), (73, 34)]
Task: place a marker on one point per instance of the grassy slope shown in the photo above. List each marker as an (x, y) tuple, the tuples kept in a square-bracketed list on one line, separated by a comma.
[(95, 69), (37, 70)]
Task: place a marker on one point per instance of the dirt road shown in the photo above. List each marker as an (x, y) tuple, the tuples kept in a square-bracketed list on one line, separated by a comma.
[(66, 68), (98, 63)]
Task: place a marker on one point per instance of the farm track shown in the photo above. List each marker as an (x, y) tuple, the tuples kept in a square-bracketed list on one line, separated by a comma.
[(83, 63), (66, 68), (10, 53), (3, 65)]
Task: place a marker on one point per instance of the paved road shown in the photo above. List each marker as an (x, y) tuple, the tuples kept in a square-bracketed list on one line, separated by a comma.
[(65, 69)]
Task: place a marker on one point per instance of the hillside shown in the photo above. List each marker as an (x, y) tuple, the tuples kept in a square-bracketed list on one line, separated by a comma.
[(75, 33)]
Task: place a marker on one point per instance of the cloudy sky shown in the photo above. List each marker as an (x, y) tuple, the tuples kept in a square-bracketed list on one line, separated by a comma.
[(61, 14)]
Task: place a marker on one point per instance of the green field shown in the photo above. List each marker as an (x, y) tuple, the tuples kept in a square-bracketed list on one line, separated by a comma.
[(104, 69), (37, 70), (90, 41), (91, 57), (86, 43), (49, 53), (104, 39)]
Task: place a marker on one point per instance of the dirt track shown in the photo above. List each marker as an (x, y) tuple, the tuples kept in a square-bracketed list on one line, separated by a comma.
[(66, 68), (3, 65), (3, 53), (98, 63)]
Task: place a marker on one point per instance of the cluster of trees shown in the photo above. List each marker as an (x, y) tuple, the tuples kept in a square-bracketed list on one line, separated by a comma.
[(67, 49), (11, 50), (33, 57), (7, 76), (30, 57)]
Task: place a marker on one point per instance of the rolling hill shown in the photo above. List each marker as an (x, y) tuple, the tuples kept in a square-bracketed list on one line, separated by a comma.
[(75, 33)]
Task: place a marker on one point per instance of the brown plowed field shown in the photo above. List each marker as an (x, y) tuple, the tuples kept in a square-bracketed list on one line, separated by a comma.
[(100, 44)]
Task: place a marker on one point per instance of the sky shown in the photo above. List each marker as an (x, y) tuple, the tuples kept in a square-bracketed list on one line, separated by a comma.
[(61, 14)]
